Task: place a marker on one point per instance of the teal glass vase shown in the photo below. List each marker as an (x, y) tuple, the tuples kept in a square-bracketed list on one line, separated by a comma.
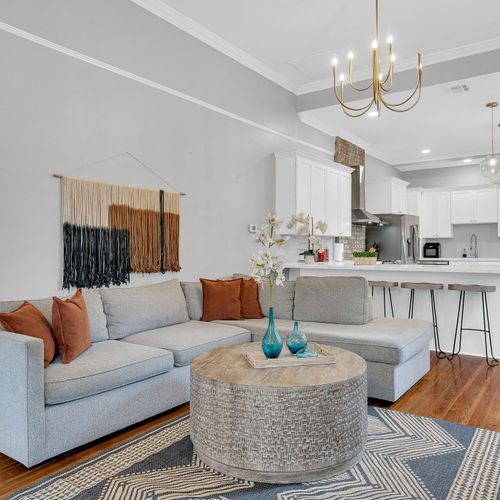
[(306, 352), (271, 343), (296, 340)]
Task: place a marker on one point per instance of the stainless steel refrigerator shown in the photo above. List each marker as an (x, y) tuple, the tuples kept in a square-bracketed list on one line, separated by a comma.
[(398, 240)]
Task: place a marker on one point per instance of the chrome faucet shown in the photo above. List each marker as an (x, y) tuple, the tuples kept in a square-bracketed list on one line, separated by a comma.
[(473, 245)]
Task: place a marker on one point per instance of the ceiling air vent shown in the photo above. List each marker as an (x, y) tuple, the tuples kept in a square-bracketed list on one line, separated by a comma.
[(458, 89)]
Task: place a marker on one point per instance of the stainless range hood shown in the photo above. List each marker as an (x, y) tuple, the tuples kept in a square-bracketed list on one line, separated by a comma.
[(360, 215)]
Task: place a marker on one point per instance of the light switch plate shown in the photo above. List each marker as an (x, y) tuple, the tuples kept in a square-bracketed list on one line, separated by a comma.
[(252, 228)]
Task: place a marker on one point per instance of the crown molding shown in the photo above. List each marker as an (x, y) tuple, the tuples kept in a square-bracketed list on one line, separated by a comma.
[(167, 13), (26, 35), (188, 25), (442, 162), (408, 64)]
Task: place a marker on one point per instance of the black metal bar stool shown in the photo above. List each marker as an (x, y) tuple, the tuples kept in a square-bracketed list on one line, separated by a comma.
[(483, 290), (432, 287), (385, 285)]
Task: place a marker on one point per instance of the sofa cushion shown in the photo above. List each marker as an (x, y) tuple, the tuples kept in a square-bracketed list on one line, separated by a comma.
[(105, 366), (382, 340), (221, 299), (136, 309), (334, 299), (97, 319), (187, 340), (193, 294), (28, 320), (70, 322)]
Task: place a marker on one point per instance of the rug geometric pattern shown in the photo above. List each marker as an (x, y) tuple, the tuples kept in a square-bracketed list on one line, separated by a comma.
[(407, 457)]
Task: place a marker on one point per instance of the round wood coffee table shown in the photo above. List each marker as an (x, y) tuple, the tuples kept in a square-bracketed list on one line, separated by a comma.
[(278, 425)]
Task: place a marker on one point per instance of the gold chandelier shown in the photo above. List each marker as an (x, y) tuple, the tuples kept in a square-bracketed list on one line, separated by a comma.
[(379, 84)]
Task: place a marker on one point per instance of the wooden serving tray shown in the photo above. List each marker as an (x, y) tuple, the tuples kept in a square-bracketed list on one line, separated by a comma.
[(256, 358)]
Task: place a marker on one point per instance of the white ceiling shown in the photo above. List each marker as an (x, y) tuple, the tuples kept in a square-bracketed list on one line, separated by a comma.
[(450, 125), (296, 39), (292, 43)]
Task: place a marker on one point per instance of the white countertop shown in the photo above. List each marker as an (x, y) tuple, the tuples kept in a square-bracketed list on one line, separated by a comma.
[(463, 266)]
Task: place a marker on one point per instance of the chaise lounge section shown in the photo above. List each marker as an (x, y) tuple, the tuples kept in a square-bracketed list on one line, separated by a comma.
[(338, 311)]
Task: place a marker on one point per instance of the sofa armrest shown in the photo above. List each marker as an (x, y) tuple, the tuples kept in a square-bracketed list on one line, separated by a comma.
[(22, 401)]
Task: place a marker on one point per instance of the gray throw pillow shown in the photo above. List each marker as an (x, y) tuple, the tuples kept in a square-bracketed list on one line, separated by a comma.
[(141, 308), (333, 299)]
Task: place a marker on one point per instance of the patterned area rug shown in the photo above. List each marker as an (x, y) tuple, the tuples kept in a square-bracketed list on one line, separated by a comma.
[(406, 457)]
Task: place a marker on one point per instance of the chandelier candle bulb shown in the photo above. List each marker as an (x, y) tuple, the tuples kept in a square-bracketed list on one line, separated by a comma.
[(350, 56), (335, 61)]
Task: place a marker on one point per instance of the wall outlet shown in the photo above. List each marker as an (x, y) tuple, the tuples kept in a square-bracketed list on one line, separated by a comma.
[(252, 228)]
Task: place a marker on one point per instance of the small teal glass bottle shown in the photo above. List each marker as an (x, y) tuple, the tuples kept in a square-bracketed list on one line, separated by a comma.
[(296, 340), (272, 343)]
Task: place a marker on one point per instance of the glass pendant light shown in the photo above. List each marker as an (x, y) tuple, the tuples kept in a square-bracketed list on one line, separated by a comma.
[(490, 166)]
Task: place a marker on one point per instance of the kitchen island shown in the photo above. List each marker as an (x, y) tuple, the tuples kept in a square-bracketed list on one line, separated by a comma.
[(466, 272)]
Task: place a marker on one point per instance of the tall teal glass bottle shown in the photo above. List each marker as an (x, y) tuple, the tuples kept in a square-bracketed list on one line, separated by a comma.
[(272, 343)]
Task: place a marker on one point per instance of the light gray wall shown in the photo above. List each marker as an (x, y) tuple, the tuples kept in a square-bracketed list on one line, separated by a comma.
[(379, 168), (468, 175), (58, 113), (487, 237)]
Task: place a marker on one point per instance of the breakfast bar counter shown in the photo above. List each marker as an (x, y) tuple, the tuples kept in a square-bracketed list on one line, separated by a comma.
[(486, 272)]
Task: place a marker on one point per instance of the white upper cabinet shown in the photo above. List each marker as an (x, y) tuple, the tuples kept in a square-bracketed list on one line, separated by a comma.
[(485, 207), (414, 202), (462, 207), (316, 186), (386, 195), (436, 214), (474, 206)]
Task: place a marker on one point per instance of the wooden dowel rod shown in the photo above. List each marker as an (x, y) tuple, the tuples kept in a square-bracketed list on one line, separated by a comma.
[(60, 176)]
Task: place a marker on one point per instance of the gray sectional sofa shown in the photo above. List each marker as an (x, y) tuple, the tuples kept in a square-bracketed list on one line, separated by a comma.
[(144, 339)]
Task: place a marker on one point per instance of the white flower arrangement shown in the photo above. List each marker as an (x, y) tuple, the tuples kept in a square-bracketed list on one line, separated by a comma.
[(267, 264), (304, 225)]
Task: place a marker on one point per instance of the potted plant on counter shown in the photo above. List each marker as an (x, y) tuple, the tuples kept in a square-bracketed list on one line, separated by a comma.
[(368, 258), (304, 225)]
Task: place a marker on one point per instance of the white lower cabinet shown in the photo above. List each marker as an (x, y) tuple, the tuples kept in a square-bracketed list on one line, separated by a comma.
[(315, 186), (436, 215)]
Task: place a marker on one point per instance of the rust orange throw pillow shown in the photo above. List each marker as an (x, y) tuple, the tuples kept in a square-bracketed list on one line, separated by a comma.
[(28, 320), (250, 307), (221, 299), (70, 322)]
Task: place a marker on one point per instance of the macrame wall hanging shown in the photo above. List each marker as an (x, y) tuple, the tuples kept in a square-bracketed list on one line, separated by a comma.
[(110, 231)]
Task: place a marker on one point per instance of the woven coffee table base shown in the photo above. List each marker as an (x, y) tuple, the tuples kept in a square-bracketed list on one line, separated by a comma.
[(278, 434)]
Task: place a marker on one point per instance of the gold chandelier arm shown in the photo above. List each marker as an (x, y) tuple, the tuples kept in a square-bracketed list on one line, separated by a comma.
[(359, 89), (361, 112), (341, 99), (396, 107), (417, 88), (389, 76)]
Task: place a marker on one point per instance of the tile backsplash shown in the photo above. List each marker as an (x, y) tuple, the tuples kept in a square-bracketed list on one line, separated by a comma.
[(355, 243)]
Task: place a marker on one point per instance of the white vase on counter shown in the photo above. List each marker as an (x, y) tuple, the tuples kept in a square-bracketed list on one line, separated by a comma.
[(338, 252), (309, 259)]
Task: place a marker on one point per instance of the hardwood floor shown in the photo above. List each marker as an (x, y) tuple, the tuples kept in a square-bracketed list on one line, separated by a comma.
[(464, 391)]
